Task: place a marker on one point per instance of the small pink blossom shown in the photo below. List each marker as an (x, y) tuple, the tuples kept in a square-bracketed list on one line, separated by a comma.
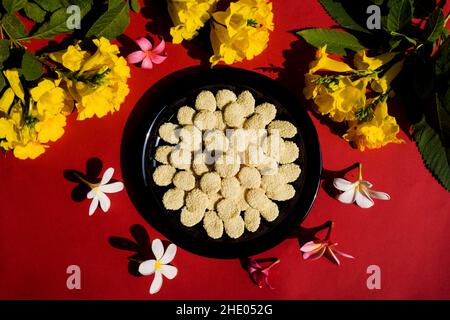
[(148, 55), (259, 274), (314, 250)]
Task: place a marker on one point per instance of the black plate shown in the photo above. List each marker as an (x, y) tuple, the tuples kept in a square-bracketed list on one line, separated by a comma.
[(160, 104)]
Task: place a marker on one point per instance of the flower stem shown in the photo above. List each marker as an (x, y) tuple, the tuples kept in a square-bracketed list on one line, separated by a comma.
[(90, 185), (271, 265), (360, 171)]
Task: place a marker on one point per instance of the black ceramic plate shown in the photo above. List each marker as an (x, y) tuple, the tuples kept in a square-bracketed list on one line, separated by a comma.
[(160, 105)]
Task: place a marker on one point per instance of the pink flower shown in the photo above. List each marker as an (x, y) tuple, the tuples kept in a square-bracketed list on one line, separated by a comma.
[(259, 274), (148, 55), (313, 250)]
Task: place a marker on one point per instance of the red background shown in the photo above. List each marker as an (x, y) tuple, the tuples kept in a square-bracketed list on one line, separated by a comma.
[(43, 231)]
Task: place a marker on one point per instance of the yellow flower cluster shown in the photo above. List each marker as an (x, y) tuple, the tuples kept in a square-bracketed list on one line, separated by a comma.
[(95, 83), (376, 133), (356, 95), (240, 32), (188, 17), (26, 125), (98, 81)]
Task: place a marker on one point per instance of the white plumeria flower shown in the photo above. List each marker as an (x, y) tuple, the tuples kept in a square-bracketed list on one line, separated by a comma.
[(358, 191), (97, 193), (159, 266)]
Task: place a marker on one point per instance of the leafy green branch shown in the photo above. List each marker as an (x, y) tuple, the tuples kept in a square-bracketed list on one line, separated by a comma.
[(416, 30), (106, 18)]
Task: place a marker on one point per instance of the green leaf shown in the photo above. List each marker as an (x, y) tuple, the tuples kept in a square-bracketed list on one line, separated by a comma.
[(4, 51), (434, 26), (443, 112), (434, 154), (34, 12), (56, 25), (394, 43), (378, 2), (335, 9), (400, 15), (423, 78), (13, 27), (50, 5), (391, 3), (337, 41), (114, 3), (442, 62), (58, 22), (135, 6), (401, 35), (112, 23), (11, 6), (31, 67), (445, 33), (2, 82), (339, 14)]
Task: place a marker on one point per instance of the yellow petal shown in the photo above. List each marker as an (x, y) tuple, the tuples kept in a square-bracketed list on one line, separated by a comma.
[(12, 76), (51, 129), (31, 150), (43, 87), (311, 88), (16, 114), (363, 62), (324, 102), (73, 58), (6, 100), (323, 62)]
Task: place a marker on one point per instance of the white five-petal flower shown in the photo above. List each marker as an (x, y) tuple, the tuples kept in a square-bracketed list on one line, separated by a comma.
[(97, 193), (160, 265), (358, 191)]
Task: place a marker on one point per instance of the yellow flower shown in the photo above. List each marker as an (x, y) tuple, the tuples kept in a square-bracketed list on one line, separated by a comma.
[(105, 54), (99, 85), (336, 96), (363, 62), (6, 100), (71, 58), (98, 102), (311, 86), (377, 133), (50, 99), (325, 63), (188, 17), (14, 81), (44, 121), (26, 146), (383, 84), (51, 128), (31, 150), (242, 31)]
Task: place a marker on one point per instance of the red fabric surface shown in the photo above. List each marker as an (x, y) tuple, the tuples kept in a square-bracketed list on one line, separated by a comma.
[(42, 230)]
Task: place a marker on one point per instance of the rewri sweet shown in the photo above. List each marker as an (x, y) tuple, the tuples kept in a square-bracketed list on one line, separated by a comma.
[(230, 180)]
